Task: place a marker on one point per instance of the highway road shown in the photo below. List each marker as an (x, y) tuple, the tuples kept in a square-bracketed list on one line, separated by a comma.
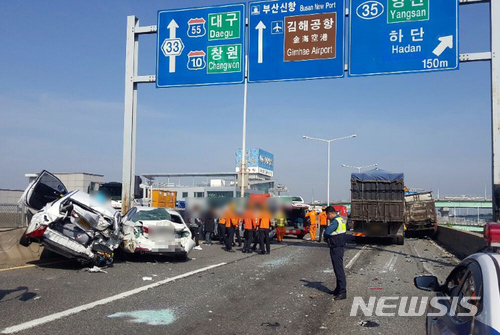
[(216, 292)]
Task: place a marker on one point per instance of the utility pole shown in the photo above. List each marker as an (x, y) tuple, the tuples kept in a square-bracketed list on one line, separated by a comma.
[(495, 104)]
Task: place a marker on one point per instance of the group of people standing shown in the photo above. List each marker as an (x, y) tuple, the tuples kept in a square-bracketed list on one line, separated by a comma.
[(256, 223), (256, 226)]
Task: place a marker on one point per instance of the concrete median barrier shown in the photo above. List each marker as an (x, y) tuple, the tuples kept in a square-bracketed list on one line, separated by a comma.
[(459, 242), (12, 253)]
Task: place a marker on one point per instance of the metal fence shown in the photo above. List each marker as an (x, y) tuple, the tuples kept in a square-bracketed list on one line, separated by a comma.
[(462, 221), (12, 216)]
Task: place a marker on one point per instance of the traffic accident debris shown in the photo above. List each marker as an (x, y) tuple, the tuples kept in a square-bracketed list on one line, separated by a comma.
[(161, 317), (95, 269), (271, 324), (368, 324)]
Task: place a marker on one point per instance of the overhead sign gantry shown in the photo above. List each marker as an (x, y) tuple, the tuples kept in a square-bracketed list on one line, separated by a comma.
[(295, 40)]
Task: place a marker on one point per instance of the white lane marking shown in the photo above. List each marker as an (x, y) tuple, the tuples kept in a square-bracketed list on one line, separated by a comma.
[(75, 310), (424, 263), (393, 263), (389, 265), (353, 260)]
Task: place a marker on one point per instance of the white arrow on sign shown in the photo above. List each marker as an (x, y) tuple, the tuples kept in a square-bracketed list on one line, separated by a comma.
[(446, 42), (172, 26), (260, 27)]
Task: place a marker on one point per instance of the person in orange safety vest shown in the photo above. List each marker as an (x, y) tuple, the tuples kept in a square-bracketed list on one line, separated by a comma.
[(232, 221), (265, 221), (313, 223), (249, 227), (323, 223)]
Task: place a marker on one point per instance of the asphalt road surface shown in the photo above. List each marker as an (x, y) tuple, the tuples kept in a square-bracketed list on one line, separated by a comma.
[(216, 292)]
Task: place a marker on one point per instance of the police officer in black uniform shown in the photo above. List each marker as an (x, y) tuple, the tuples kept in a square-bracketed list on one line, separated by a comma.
[(335, 237)]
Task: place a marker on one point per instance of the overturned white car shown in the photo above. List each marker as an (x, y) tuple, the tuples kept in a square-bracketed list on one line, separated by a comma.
[(160, 231)]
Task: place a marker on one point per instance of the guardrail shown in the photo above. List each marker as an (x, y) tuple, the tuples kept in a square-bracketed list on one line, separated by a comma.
[(459, 242)]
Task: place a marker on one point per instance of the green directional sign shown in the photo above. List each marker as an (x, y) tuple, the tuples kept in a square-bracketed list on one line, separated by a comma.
[(224, 26), (408, 10), (224, 58)]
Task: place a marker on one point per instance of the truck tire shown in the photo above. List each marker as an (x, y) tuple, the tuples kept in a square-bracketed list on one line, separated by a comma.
[(359, 240)]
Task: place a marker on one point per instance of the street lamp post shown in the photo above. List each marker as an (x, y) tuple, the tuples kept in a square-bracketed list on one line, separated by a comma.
[(359, 167), (329, 142)]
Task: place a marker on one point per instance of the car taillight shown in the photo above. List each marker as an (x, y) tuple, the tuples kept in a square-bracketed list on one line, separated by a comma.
[(37, 233), (492, 234), (145, 230)]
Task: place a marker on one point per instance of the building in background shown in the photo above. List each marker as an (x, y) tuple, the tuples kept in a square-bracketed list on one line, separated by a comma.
[(202, 185), (216, 184), (10, 197)]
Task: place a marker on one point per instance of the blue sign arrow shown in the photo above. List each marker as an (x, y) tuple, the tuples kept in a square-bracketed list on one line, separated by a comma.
[(402, 36), (200, 46), (296, 40)]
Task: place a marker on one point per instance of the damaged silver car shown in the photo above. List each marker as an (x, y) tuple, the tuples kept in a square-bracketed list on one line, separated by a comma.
[(72, 224), (156, 231)]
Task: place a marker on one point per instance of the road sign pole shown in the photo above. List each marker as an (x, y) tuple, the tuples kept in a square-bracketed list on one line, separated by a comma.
[(328, 185), (495, 105), (130, 107), (243, 168), (129, 117)]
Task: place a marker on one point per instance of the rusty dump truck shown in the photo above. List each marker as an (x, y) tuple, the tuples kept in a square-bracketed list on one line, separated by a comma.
[(378, 205), (420, 213)]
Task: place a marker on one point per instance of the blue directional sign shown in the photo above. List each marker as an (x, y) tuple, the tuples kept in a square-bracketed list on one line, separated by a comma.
[(401, 36), (295, 40), (200, 46)]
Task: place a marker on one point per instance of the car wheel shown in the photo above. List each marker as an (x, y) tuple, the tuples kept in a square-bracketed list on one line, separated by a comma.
[(24, 241)]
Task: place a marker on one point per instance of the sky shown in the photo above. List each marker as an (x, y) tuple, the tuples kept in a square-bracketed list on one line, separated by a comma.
[(62, 69)]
